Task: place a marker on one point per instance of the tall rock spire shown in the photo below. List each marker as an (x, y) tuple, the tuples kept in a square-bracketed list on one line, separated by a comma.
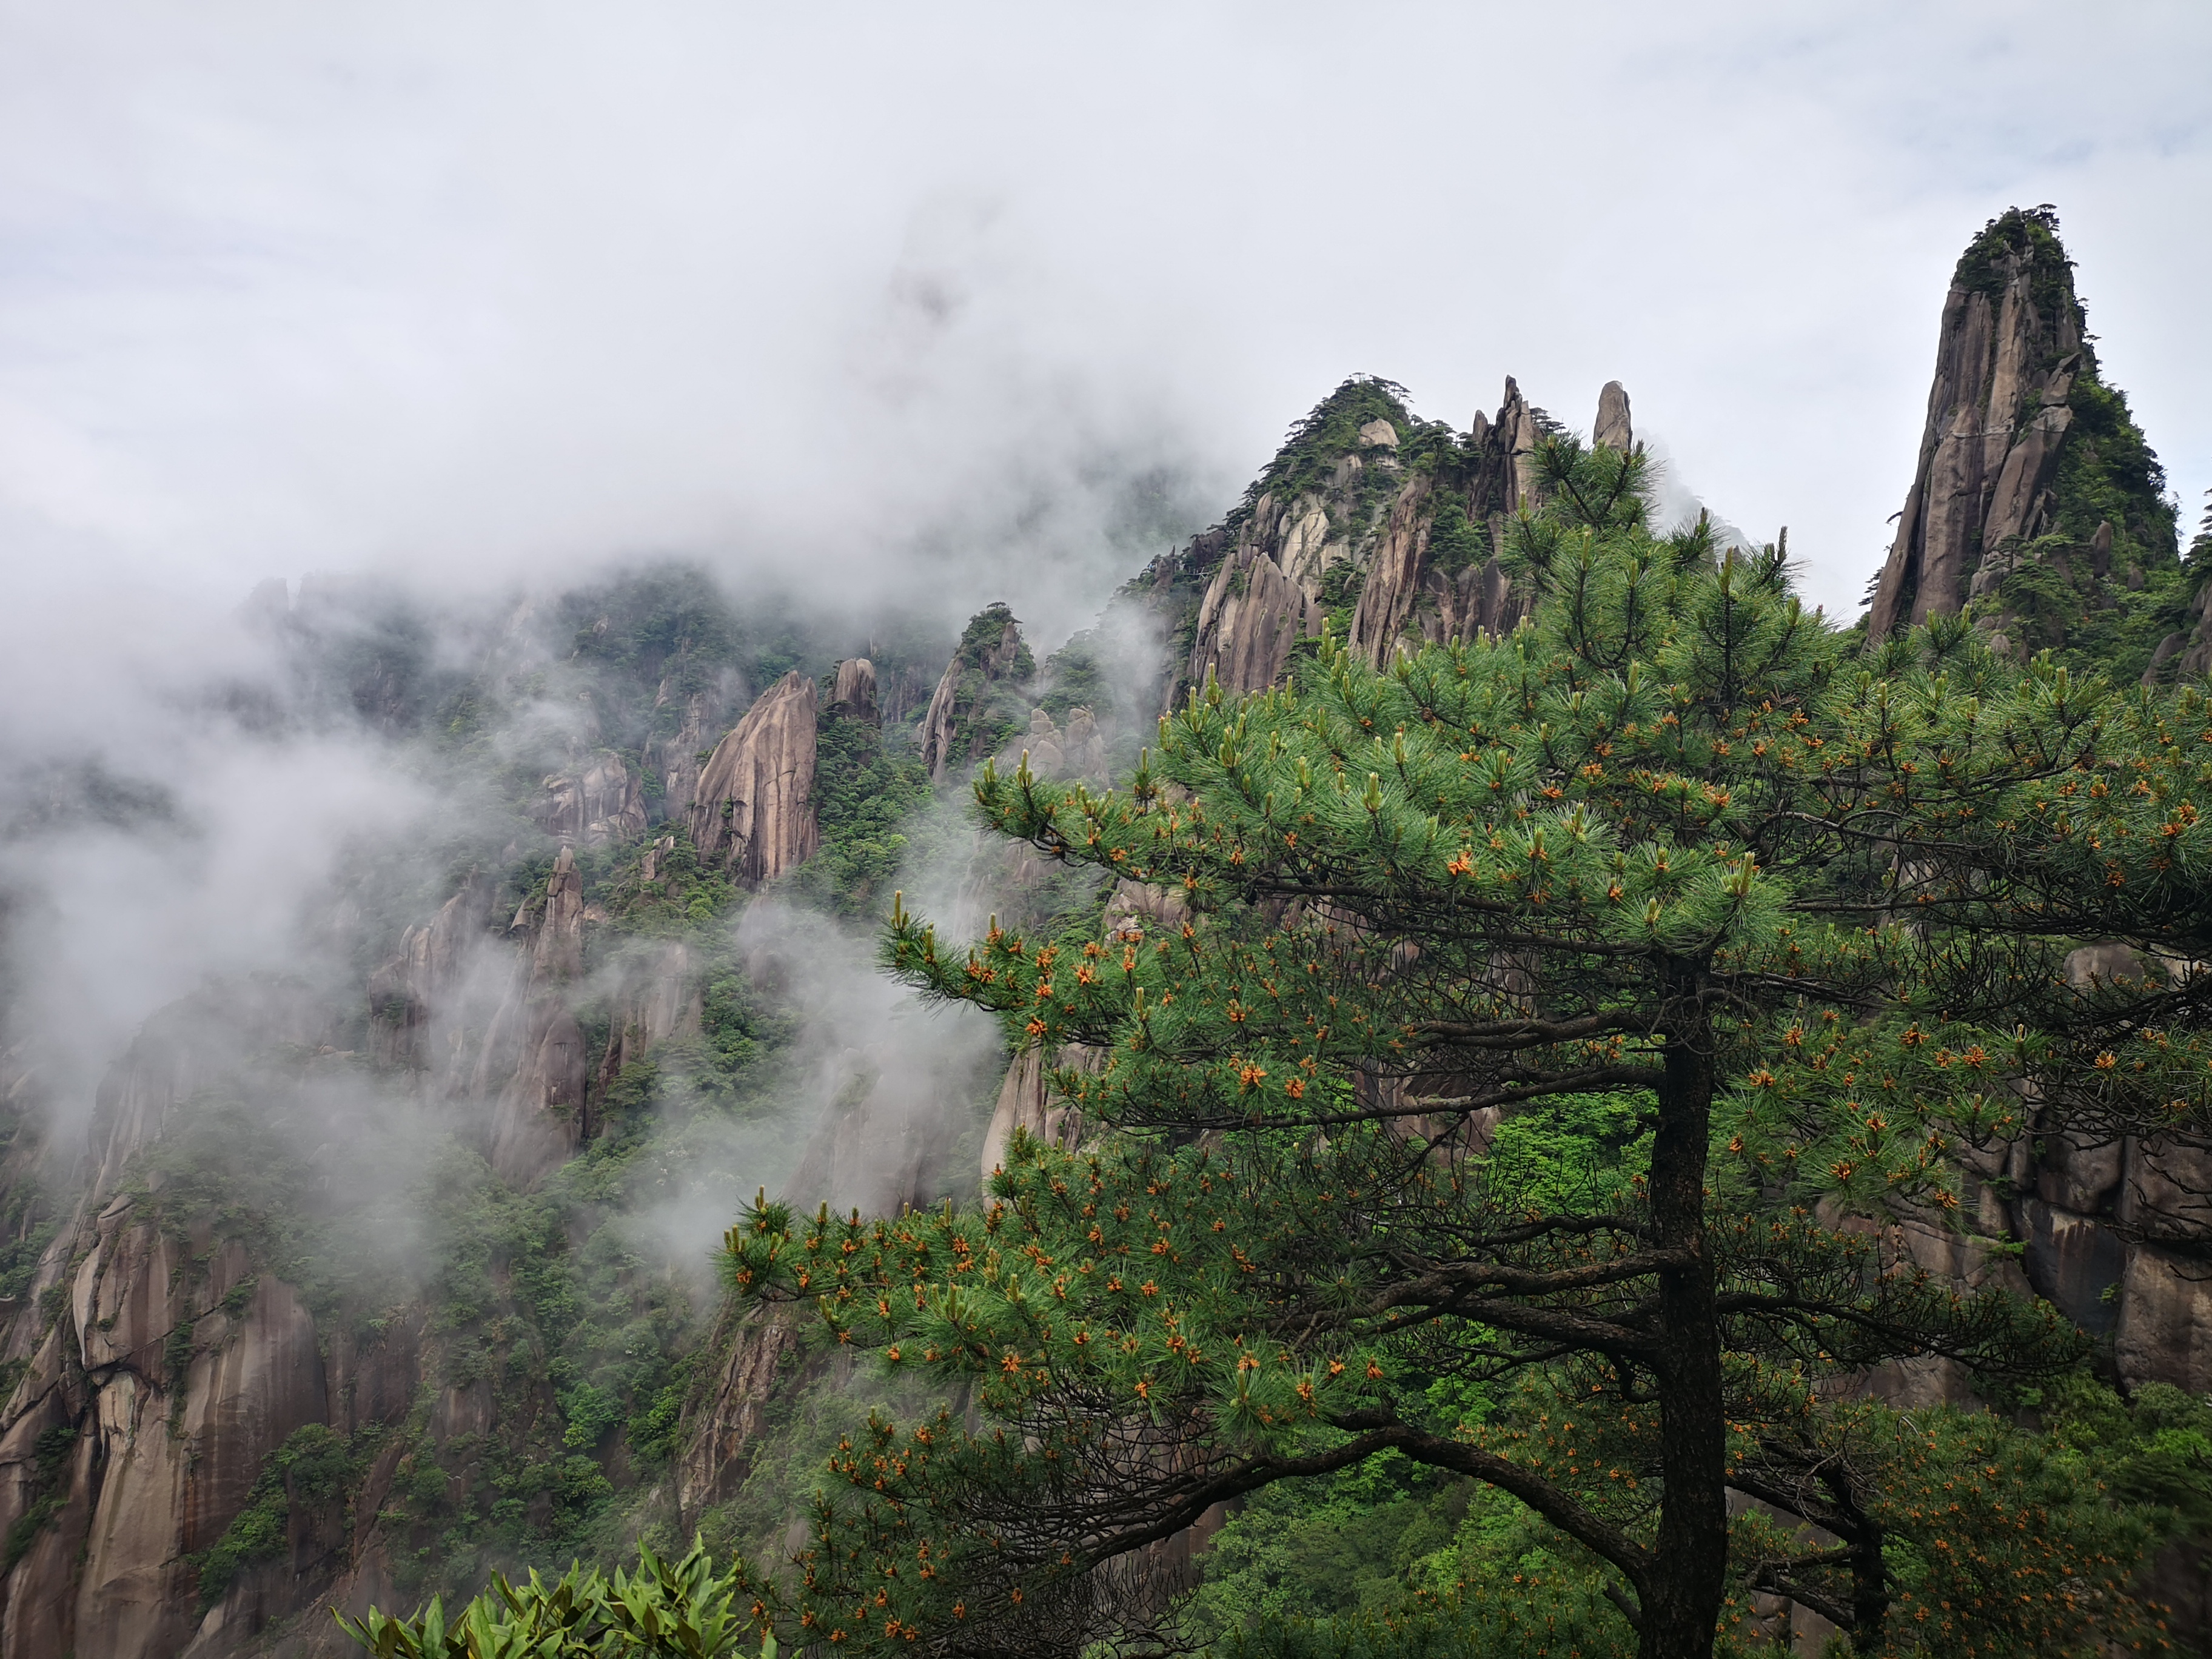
[(973, 710), (2035, 498), (2006, 358)]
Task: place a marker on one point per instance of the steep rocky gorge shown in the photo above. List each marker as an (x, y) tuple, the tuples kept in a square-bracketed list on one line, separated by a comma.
[(342, 1293)]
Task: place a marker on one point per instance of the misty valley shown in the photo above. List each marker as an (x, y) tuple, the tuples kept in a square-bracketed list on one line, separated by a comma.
[(1462, 1073)]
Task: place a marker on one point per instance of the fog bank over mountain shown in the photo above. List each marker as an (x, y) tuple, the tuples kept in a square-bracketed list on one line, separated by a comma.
[(899, 299)]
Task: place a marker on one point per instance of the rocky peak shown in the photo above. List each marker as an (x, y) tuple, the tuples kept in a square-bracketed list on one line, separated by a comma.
[(854, 692), (1436, 573), (977, 706), (1382, 526), (2032, 484), (754, 808), (1612, 430)]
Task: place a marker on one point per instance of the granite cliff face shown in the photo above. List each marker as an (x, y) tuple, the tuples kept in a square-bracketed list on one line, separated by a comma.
[(2034, 497), (161, 1368), (601, 801), (754, 812), (978, 698), (2007, 353), (1387, 528), (535, 1043)]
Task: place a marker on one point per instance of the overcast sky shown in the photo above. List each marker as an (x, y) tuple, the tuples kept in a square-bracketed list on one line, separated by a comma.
[(479, 289)]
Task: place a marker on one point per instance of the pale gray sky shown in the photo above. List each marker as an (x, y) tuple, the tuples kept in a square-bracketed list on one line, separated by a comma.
[(868, 290)]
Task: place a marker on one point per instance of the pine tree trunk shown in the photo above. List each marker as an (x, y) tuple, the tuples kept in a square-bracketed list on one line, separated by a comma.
[(1683, 1605)]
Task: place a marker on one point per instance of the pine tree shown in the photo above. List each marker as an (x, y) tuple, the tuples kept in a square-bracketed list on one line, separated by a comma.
[(1803, 917)]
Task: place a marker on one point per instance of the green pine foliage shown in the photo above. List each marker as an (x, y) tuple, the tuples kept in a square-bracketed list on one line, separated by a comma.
[(1455, 543), (2106, 474), (867, 793), (1773, 931), (1327, 432), (313, 1468), (988, 707)]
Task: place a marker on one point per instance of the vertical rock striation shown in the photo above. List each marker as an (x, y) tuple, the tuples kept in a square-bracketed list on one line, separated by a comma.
[(977, 706), (2034, 496), (535, 1044), (674, 753), (417, 1001), (602, 800), (755, 810), (853, 694), (1253, 614), (2007, 350)]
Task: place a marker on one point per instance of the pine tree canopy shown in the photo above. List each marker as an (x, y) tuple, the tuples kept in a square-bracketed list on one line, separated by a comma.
[(1800, 920)]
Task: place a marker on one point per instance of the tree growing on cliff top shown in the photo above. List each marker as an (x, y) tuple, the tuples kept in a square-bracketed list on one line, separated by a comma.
[(1804, 917)]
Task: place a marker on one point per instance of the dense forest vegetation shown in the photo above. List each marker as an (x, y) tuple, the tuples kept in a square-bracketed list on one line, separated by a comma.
[(1463, 1243)]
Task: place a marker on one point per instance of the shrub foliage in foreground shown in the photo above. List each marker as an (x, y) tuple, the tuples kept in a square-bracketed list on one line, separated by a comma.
[(665, 1610)]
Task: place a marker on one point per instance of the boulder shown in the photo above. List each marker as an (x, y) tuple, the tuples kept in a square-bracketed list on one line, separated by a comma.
[(854, 692)]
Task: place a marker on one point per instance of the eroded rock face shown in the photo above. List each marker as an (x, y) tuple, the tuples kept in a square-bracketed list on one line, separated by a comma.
[(677, 756), (2007, 352), (764, 1356), (1613, 429), (659, 996), (2165, 1330), (533, 1056), (755, 810), (601, 801), (1075, 751), (854, 694), (185, 1048), (880, 1149), (962, 723), (1253, 614), (1424, 589), (1394, 576), (147, 1414), (416, 998), (1419, 544), (1026, 1101)]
